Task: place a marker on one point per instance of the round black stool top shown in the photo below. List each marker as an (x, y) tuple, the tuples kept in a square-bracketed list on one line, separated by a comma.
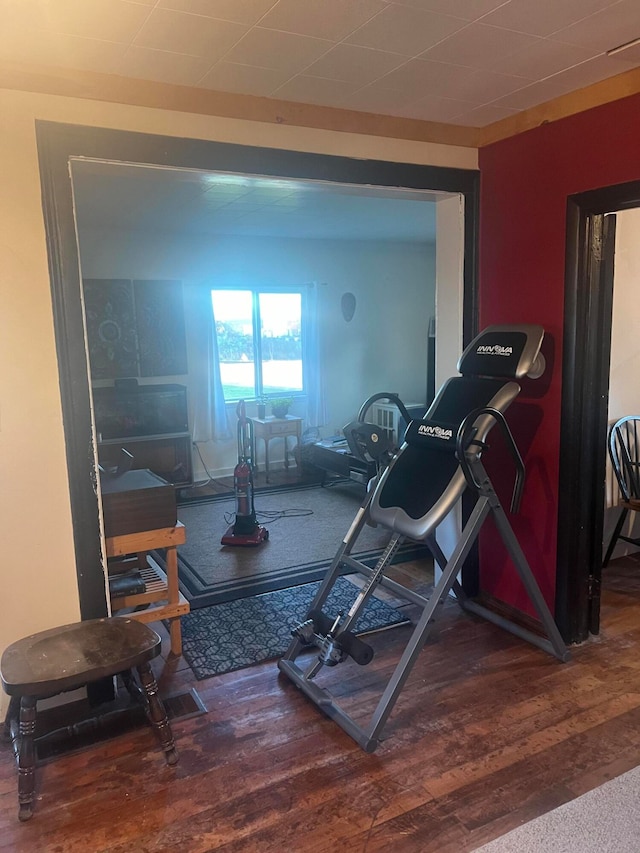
[(71, 656)]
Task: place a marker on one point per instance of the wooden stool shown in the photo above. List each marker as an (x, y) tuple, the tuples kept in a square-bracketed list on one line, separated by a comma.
[(69, 657)]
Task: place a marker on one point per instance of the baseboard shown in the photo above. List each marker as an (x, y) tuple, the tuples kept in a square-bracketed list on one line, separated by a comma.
[(507, 611)]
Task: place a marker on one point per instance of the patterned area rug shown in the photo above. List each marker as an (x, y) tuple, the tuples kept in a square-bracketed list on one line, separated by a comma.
[(241, 633)]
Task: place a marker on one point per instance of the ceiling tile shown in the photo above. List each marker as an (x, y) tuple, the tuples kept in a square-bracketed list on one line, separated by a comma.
[(240, 11), (243, 79), (194, 35), (314, 90), (58, 49), (605, 30), (25, 44), (161, 65), (355, 64), (266, 195), (478, 46), (485, 86), (373, 99), (542, 59), (273, 49), (110, 20), (402, 29), (530, 96), (542, 19), (329, 19), (420, 78), (468, 10), (592, 71), (482, 116), (560, 84), (434, 108)]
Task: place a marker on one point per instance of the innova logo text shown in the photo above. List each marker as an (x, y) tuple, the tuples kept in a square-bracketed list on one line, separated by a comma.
[(435, 432), (496, 349)]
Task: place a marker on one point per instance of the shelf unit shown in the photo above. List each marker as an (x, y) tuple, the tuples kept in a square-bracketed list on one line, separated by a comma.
[(162, 598)]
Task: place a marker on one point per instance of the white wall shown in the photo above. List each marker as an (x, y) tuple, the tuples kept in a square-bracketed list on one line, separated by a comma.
[(383, 348), (624, 371), (449, 308)]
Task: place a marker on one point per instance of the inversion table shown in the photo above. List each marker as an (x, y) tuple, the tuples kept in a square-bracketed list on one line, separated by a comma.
[(440, 460)]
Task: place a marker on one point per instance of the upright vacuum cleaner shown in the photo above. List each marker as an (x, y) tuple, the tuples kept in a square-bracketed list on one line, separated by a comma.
[(245, 530)]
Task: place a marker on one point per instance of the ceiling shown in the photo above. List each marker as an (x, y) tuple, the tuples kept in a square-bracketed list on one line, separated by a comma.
[(129, 199), (459, 62)]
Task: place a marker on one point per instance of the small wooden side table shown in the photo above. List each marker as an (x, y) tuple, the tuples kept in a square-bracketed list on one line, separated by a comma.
[(270, 428), (162, 592), (63, 659)]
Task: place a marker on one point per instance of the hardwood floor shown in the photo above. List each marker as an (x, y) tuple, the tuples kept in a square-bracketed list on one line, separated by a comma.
[(488, 733)]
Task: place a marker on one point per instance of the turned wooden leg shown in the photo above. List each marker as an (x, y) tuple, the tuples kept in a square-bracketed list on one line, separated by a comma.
[(26, 757), (13, 712), (157, 714)]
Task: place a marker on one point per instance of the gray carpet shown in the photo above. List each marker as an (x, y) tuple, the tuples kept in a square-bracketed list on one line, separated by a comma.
[(605, 820), (241, 633), (305, 527)]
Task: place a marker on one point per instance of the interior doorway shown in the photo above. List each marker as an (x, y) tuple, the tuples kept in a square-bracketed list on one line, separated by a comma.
[(57, 145), (591, 228), (624, 365)]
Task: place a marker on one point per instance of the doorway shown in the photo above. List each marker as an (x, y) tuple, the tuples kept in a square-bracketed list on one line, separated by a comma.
[(57, 144), (624, 366), (587, 348)]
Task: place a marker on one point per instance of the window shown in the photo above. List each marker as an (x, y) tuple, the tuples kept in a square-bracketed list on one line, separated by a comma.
[(259, 335)]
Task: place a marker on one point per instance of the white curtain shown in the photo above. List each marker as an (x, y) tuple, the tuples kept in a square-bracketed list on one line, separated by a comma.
[(210, 420), (312, 359)]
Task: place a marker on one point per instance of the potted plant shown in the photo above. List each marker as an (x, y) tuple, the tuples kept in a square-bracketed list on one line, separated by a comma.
[(280, 406)]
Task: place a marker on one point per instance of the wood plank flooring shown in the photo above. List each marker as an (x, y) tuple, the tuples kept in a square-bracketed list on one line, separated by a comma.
[(488, 733)]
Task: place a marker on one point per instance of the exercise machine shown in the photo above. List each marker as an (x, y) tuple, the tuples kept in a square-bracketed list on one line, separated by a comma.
[(439, 461), (245, 530), (371, 442)]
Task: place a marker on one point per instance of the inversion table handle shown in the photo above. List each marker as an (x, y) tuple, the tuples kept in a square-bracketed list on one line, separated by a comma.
[(462, 443)]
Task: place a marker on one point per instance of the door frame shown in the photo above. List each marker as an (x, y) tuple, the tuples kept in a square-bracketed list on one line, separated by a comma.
[(585, 397), (57, 144)]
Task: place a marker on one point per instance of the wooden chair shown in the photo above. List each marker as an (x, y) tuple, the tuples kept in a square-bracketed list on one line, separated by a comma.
[(624, 452), (69, 657)]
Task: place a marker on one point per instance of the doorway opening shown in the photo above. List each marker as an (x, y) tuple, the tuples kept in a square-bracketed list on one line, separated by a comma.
[(60, 144), (586, 360)]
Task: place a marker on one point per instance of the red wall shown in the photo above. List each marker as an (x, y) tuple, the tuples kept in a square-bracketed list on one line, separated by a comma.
[(525, 182)]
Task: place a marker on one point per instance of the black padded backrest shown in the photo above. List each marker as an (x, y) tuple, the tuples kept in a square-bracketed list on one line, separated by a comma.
[(510, 352), (424, 480), (422, 471)]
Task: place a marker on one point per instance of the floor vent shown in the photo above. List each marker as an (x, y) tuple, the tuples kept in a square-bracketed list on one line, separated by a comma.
[(183, 706)]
